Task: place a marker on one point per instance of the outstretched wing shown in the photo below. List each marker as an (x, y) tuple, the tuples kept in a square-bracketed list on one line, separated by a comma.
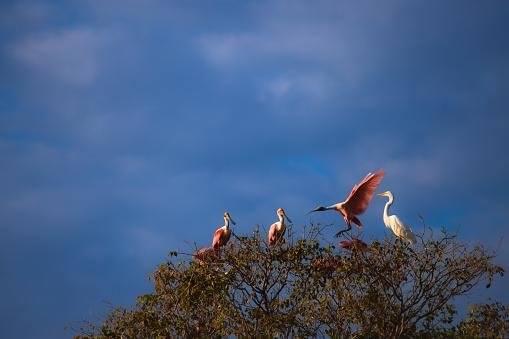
[(360, 197)]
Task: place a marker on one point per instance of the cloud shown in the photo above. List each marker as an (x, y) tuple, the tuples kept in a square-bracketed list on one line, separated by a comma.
[(282, 42), (342, 37), (313, 87), (222, 50), (24, 13), (73, 55)]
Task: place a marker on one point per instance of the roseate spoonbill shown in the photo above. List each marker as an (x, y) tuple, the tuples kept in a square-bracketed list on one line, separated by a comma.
[(222, 235), (204, 255), (357, 202), (394, 223), (353, 244), (328, 263), (277, 229)]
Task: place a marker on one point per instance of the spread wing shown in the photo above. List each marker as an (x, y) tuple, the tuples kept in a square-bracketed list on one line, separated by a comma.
[(360, 197)]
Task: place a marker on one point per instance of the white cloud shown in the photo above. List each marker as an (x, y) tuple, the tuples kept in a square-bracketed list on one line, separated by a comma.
[(221, 50), (325, 34), (70, 55), (295, 42), (269, 43), (313, 86), (280, 87)]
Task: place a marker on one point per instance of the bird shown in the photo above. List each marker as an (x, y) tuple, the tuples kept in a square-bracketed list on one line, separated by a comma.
[(394, 223), (277, 229), (327, 263), (353, 244), (222, 234), (357, 202), (204, 255)]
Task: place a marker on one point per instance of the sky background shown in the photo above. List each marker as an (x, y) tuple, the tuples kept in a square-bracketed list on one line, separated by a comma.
[(127, 128)]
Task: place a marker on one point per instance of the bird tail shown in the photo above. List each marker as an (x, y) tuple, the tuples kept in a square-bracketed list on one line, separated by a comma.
[(356, 221)]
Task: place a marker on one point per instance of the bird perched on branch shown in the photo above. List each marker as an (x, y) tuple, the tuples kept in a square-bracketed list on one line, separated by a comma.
[(353, 245), (222, 235), (397, 226), (204, 255), (357, 202), (277, 229)]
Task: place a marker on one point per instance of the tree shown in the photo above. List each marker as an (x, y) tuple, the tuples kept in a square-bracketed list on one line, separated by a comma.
[(304, 288)]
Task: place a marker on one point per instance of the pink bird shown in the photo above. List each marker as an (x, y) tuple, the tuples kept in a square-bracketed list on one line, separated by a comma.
[(222, 235), (358, 200), (204, 255), (353, 244), (277, 229)]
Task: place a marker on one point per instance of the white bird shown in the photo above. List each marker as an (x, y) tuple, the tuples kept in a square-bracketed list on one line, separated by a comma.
[(394, 223)]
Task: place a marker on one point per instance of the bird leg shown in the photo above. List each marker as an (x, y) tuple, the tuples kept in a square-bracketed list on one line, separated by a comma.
[(348, 228)]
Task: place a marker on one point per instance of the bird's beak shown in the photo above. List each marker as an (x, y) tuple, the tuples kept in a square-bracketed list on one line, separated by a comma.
[(233, 222), (288, 219), (317, 209), (381, 194)]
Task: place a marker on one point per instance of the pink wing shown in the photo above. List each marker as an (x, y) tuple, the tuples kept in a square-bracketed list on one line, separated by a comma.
[(204, 254), (360, 197), (217, 242), (272, 234), (353, 244), (221, 237)]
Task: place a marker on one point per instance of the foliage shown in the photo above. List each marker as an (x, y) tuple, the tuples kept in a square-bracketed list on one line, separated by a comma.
[(302, 288), (486, 320)]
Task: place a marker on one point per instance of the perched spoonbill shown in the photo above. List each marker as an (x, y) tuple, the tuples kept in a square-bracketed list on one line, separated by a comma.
[(394, 223), (222, 235), (204, 255), (329, 263), (277, 229), (357, 202), (353, 245)]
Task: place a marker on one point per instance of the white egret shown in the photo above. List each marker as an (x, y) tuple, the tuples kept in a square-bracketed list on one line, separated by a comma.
[(394, 223)]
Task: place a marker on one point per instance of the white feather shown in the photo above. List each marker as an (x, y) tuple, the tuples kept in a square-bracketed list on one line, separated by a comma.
[(397, 226)]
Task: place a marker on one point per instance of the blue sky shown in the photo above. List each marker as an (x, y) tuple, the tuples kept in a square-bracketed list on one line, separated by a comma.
[(127, 128)]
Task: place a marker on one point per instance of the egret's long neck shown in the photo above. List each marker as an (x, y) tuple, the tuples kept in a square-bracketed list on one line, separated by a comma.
[(226, 223), (386, 210)]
